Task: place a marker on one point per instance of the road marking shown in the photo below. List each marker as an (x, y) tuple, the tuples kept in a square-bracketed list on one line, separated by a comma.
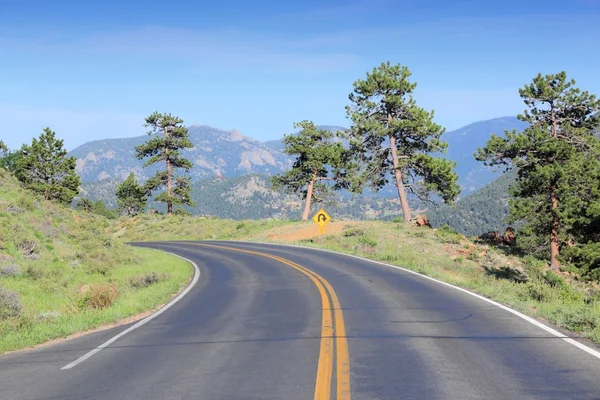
[(579, 345), (325, 364), (143, 321)]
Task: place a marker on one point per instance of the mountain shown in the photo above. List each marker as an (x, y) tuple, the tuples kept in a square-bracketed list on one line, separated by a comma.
[(463, 142), (216, 153), (481, 212), (252, 197)]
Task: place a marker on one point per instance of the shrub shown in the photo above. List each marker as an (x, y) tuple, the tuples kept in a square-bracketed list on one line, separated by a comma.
[(99, 296), (10, 270), (10, 304), (398, 220), (142, 281), (448, 235), (554, 280), (182, 212), (34, 273), (29, 249), (367, 241), (354, 232)]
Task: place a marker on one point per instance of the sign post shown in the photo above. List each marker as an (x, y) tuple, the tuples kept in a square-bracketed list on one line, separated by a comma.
[(321, 218)]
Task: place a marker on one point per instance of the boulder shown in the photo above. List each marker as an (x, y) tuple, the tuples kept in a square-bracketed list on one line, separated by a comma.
[(510, 237), (421, 220)]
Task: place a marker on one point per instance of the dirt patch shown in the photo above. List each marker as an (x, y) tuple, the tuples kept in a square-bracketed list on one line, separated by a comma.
[(308, 231)]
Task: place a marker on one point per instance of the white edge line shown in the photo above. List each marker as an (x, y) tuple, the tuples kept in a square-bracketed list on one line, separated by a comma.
[(533, 321), (143, 321)]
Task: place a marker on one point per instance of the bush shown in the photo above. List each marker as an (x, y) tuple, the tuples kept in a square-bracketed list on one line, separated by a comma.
[(182, 212), (554, 280), (10, 304), (34, 273), (448, 235), (29, 248), (398, 220), (367, 241), (142, 281), (354, 232), (10, 270), (99, 296)]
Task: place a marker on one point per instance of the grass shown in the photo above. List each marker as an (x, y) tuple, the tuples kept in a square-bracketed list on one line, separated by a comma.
[(66, 274), (162, 227)]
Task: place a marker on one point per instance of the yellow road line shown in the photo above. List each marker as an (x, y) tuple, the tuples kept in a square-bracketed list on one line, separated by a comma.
[(326, 353)]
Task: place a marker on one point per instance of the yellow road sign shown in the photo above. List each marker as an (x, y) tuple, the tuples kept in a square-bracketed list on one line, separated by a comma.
[(321, 218)]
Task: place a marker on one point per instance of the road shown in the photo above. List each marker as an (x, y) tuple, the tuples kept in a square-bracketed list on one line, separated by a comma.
[(272, 322)]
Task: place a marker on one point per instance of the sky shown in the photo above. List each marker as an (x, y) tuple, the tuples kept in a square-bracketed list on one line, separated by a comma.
[(95, 70)]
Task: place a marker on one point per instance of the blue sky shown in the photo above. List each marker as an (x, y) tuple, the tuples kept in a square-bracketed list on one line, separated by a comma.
[(93, 70)]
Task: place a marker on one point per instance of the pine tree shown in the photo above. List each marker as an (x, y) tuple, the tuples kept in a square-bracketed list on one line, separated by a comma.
[(131, 196), (315, 154), (85, 205), (171, 137), (391, 135), (551, 157), (45, 168), (3, 147)]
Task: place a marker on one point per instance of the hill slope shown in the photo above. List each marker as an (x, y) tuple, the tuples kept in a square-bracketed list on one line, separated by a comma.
[(61, 272), (481, 212)]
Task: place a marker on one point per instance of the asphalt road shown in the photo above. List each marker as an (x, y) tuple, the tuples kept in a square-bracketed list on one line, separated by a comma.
[(272, 322)]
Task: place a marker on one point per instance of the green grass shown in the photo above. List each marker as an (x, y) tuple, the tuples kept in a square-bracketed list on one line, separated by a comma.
[(49, 253), (162, 227)]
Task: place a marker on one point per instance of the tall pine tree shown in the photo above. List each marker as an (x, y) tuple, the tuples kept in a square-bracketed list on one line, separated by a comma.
[(131, 196), (170, 138), (316, 154), (392, 137), (45, 168), (550, 156)]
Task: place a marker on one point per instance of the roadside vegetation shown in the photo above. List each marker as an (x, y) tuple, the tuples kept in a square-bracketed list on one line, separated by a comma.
[(61, 272)]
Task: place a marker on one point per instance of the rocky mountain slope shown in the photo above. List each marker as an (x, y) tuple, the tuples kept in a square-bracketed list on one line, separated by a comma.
[(216, 153)]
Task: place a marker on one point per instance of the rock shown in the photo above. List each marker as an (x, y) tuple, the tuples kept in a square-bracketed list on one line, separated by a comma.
[(421, 220), (510, 237)]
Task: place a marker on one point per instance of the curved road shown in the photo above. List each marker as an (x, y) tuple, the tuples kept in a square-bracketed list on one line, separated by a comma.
[(272, 322)]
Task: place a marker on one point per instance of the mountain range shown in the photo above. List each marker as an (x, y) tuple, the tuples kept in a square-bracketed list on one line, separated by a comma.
[(231, 171), (220, 153)]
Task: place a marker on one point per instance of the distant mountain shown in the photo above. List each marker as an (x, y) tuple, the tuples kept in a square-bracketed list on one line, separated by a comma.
[(483, 211), (463, 142), (216, 153), (252, 197)]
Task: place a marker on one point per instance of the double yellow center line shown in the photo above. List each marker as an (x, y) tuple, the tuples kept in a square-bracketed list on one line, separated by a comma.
[(329, 350)]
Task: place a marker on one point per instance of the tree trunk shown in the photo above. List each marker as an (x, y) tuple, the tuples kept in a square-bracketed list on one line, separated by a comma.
[(399, 184), (169, 180), (309, 193), (554, 240)]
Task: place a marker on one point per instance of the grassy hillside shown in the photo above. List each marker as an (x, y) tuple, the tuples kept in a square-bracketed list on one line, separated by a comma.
[(442, 253), (62, 273)]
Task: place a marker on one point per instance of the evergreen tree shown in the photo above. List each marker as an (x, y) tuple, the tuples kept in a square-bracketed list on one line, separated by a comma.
[(85, 205), (171, 137), (315, 152), (45, 168), (131, 196), (391, 135), (3, 147), (556, 157)]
